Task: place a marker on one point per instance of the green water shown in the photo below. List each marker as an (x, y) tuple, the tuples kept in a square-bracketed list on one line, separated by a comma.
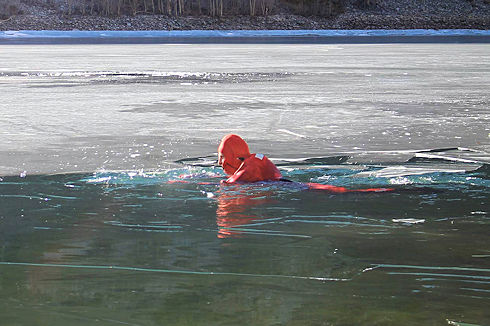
[(138, 248)]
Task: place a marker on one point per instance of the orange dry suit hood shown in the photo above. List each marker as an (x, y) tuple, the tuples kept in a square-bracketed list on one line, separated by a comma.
[(232, 151)]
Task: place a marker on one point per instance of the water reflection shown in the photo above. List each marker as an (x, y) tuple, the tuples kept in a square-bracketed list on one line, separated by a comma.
[(233, 209)]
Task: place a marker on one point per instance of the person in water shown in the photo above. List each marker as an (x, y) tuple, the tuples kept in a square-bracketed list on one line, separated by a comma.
[(241, 166)]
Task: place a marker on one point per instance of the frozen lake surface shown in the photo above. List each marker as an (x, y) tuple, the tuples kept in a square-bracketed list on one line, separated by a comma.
[(85, 107), (101, 220)]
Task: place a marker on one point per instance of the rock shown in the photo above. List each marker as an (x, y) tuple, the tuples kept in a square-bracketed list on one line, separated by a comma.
[(389, 14)]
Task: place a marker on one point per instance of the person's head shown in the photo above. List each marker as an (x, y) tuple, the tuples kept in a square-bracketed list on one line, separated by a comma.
[(232, 151)]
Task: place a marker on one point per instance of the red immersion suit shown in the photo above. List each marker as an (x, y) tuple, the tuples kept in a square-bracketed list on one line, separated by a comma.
[(241, 166)]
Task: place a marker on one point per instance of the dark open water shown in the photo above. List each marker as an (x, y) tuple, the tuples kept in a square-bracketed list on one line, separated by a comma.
[(100, 223)]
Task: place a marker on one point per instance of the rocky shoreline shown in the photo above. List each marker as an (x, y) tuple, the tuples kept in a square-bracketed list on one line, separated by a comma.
[(387, 14)]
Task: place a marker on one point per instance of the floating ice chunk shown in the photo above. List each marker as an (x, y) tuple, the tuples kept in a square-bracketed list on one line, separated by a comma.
[(400, 181), (100, 180), (455, 323), (480, 256), (397, 172), (208, 194), (408, 221), (478, 213)]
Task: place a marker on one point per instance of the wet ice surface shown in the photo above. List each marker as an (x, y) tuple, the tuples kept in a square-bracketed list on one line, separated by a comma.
[(86, 107), (146, 235)]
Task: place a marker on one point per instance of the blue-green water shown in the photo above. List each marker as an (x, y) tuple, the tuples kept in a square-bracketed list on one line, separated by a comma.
[(174, 247)]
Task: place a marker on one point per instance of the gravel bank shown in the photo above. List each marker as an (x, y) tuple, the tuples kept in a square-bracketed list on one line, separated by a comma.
[(387, 14)]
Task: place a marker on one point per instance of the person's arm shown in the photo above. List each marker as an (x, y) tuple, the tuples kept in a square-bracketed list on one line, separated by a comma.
[(247, 172), (236, 176)]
